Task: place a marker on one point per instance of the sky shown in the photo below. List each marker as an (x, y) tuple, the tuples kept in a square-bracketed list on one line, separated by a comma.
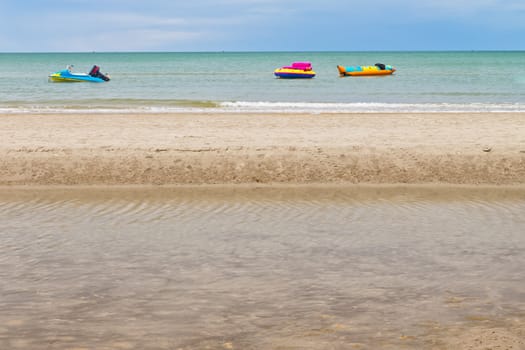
[(260, 25)]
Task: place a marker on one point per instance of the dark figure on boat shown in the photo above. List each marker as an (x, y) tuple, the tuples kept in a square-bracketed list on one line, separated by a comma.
[(95, 72)]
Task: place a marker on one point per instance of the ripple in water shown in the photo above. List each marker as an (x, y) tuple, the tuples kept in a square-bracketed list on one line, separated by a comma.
[(308, 268)]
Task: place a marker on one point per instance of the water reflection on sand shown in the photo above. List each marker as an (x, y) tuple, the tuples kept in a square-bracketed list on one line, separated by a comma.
[(258, 268)]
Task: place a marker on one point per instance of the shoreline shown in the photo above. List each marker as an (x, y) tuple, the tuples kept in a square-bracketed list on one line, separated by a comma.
[(330, 194), (262, 148), (318, 191)]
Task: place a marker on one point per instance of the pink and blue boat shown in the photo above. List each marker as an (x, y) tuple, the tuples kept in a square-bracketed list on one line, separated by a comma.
[(298, 70)]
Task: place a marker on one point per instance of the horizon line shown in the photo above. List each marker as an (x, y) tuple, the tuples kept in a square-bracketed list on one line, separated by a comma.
[(256, 51)]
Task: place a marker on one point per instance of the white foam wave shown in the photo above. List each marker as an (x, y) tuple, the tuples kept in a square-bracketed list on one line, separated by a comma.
[(278, 107), (307, 107), (100, 110)]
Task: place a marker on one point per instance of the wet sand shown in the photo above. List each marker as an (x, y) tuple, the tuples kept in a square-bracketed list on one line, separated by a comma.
[(172, 149)]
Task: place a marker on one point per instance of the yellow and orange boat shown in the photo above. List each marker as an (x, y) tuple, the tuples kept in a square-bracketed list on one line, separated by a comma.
[(355, 71)]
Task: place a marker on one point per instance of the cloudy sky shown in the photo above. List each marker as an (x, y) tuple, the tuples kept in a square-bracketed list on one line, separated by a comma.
[(260, 25)]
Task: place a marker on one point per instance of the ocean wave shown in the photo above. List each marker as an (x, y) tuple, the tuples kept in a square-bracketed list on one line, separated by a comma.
[(307, 107), (196, 106)]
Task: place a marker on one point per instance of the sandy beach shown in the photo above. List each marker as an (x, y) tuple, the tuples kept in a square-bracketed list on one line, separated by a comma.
[(172, 149), (480, 150)]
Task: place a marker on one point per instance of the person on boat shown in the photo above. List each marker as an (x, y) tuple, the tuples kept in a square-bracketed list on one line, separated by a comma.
[(95, 72)]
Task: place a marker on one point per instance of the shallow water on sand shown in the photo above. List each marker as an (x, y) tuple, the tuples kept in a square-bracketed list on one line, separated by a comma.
[(255, 268)]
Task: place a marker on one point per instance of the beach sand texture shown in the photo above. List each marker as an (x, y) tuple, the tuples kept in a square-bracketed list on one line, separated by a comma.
[(180, 149), (172, 149)]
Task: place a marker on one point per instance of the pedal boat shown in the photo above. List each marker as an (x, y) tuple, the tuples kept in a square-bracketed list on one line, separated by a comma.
[(66, 76), (355, 71), (298, 70)]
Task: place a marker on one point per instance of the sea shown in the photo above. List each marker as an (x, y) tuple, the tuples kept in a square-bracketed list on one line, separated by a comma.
[(170, 82)]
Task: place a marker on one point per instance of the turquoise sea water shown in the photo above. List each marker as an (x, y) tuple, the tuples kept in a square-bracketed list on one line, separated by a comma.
[(244, 82)]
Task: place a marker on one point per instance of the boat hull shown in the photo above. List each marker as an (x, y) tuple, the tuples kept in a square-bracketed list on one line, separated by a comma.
[(287, 73), (356, 71)]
